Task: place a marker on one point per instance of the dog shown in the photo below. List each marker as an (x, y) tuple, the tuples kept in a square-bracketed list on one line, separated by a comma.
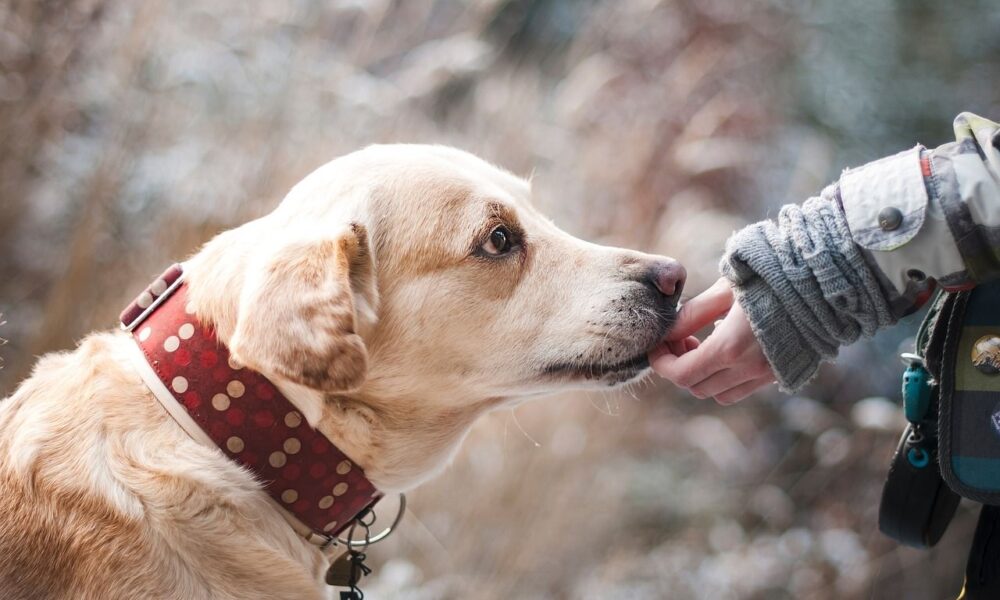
[(394, 296)]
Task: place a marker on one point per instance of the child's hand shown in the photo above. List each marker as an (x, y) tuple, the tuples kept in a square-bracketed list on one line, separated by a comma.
[(729, 365)]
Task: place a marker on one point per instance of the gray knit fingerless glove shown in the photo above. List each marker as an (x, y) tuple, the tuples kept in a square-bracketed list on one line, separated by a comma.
[(805, 287)]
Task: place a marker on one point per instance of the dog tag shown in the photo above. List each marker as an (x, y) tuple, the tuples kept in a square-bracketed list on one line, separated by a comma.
[(348, 570), (341, 571)]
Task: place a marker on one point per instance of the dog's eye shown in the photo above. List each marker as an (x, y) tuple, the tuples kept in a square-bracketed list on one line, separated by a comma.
[(499, 242)]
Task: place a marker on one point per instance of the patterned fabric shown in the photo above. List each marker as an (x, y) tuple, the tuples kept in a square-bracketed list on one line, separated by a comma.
[(153, 294), (959, 243), (246, 416), (969, 417)]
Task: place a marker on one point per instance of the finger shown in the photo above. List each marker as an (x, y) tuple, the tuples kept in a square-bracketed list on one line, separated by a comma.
[(702, 310), (682, 347), (684, 371), (722, 381), (743, 390), (677, 348)]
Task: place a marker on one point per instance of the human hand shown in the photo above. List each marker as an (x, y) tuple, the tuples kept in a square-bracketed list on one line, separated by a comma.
[(729, 365)]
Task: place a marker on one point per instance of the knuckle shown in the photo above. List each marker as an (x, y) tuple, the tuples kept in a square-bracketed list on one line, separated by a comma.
[(685, 380), (727, 353)]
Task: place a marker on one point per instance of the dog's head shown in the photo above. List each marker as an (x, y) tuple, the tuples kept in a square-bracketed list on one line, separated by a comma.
[(399, 292), (415, 270)]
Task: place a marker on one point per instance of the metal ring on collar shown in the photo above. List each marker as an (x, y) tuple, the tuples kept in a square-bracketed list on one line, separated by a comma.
[(382, 534)]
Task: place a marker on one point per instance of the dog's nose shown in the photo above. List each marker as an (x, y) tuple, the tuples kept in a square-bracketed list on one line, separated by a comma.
[(667, 276)]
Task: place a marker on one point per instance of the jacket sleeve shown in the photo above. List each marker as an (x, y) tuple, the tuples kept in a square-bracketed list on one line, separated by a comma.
[(925, 216), (869, 249)]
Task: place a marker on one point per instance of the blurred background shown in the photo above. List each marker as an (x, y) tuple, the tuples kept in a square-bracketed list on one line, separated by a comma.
[(134, 131)]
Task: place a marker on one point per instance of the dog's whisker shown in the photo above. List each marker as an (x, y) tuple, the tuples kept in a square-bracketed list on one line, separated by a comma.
[(518, 423)]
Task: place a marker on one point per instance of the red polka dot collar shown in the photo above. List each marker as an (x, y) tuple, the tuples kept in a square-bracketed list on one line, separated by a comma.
[(239, 411)]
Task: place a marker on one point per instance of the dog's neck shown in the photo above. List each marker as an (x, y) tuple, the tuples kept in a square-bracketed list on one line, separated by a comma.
[(397, 447)]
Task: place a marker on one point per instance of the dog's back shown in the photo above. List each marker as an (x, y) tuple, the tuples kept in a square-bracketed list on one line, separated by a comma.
[(102, 496), (58, 538)]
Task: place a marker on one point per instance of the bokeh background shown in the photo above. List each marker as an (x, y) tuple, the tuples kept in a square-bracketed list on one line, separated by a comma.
[(130, 132)]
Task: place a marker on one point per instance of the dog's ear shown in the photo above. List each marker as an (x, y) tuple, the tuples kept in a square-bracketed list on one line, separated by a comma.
[(299, 312)]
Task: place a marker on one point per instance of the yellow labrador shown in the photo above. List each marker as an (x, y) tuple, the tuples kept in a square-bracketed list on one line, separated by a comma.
[(394, 296)]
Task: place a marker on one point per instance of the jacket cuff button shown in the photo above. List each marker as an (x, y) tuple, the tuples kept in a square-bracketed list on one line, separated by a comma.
[(890, 218)]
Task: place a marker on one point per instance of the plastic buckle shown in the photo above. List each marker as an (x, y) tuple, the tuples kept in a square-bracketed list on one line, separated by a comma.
[(156, 302)]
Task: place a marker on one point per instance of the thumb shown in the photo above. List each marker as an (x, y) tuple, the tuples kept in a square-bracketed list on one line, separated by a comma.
[(702, 310)]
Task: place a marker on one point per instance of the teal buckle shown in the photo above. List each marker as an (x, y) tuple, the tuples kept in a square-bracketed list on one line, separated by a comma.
[(918, 457), (916, 389)]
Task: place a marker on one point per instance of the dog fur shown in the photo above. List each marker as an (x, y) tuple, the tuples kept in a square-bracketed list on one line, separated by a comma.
[(371, 297)]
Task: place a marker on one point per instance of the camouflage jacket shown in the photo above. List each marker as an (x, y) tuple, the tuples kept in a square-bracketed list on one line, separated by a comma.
[(870, 249), (926, 216)]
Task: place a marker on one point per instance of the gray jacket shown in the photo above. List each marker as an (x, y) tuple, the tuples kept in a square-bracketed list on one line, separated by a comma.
[(870, 249)]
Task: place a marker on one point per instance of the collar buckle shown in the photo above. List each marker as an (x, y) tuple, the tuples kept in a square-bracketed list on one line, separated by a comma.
[(153, 296)]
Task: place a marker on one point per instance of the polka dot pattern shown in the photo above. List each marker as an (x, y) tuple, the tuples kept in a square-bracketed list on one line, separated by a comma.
[(146, 298), (179, 384), (277, 459), (247, 417), (220, 402), (235, 388), (158, 287)]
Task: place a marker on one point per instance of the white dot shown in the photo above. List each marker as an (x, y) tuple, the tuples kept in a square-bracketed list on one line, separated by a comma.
[(233, 364), (326, 502), (234, 444), (189, 308), (144, 300), (235, 388), (340, 489), (179, 384), (220, 401), (292, 445), (343, 467), (145, 333), (159, 286), (277, 459), (329, 526), (186, 331), (171, 343), (293, 420), (289, 496)]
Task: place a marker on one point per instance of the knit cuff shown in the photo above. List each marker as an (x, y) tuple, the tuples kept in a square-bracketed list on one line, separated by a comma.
[(805, 287), (792, 359)]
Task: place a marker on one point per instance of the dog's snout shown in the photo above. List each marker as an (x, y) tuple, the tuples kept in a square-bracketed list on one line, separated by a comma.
[(667, 276)]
